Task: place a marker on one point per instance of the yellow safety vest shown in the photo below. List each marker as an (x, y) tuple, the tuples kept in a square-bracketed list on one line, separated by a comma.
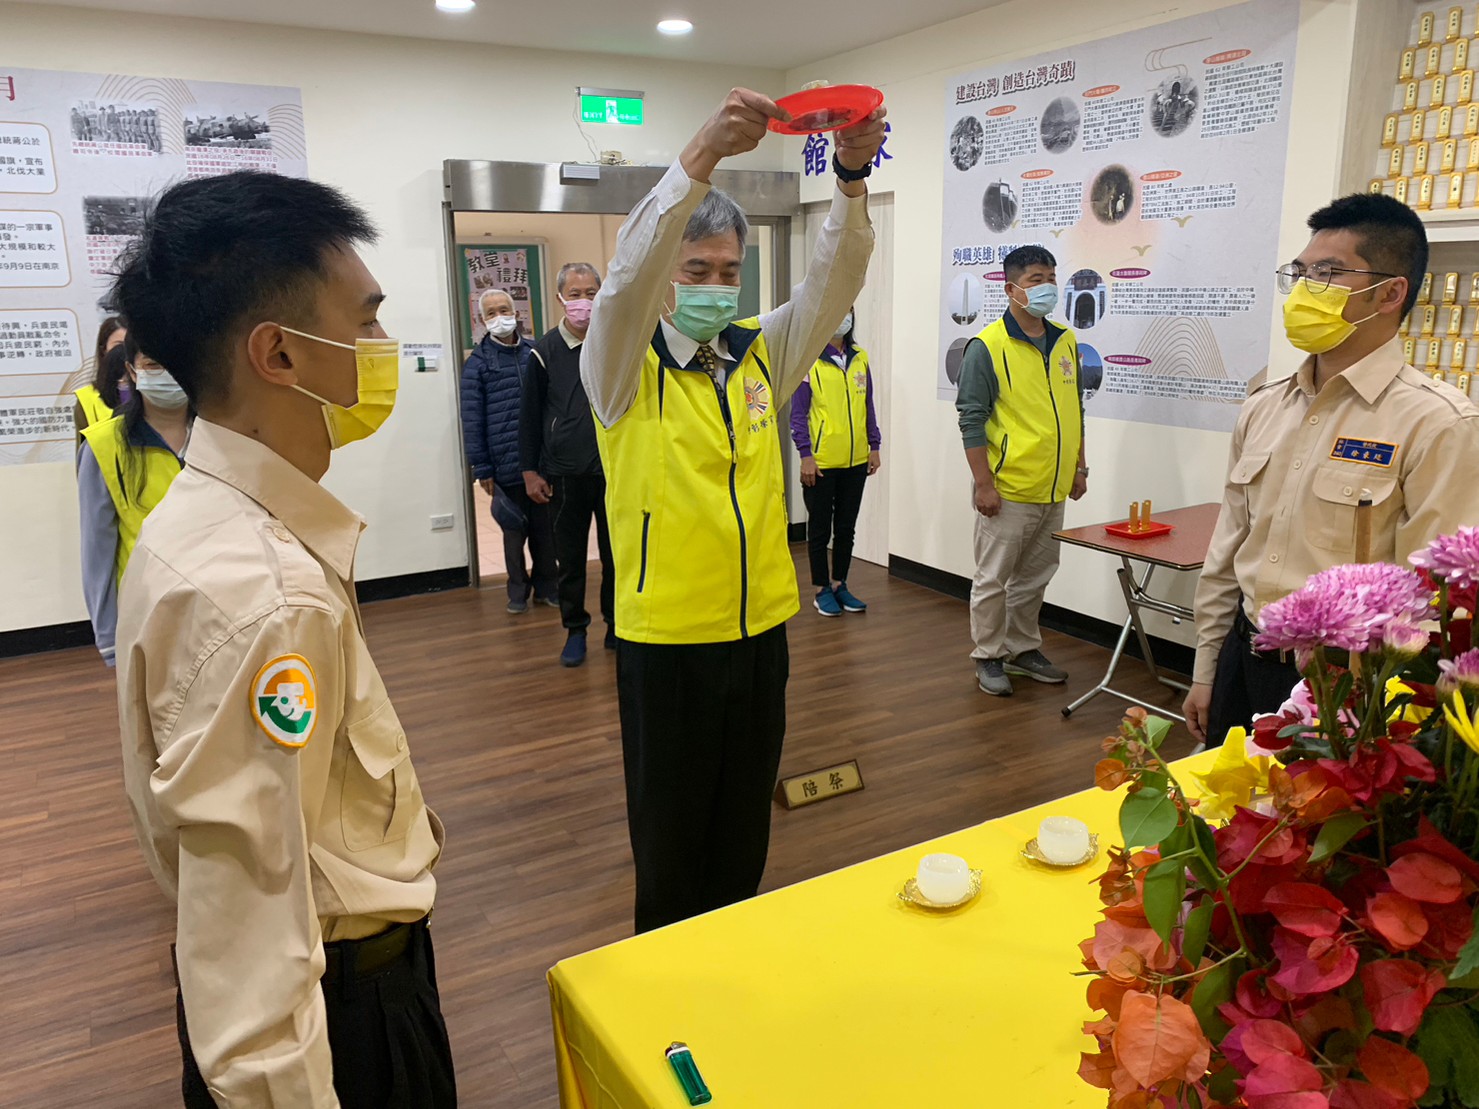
[(1036, 426), (94, 411), (133, 504), (839, 412), (695, 501)]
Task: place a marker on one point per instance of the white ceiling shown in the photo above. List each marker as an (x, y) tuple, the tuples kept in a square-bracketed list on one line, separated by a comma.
[(771, 34)]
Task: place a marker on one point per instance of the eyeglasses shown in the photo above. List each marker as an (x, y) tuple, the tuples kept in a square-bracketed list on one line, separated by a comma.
[(1317, 276)]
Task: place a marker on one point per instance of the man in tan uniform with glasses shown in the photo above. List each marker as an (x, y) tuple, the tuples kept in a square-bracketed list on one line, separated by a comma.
[(271, 786), (1353, 422)]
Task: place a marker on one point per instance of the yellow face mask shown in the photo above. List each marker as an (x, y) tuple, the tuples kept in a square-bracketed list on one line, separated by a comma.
[(1315, 322), (377, 364)]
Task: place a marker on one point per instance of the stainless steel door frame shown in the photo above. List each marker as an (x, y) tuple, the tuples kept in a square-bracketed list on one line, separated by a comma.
[(769, 198)]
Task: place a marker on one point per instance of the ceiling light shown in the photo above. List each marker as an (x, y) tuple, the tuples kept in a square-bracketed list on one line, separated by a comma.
[(456, 5), (675, 26)]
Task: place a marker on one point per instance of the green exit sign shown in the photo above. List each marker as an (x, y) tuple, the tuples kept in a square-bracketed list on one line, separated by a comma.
[(611, 106)]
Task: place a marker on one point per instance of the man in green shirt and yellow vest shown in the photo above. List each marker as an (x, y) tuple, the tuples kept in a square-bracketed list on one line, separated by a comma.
[(687, 403), (1022, 423)]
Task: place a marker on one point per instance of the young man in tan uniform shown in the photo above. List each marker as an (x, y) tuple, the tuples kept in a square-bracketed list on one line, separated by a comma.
[(271, 785), (1354, 421)]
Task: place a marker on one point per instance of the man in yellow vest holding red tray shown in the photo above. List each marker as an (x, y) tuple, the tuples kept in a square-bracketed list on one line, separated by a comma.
[(687, 402)]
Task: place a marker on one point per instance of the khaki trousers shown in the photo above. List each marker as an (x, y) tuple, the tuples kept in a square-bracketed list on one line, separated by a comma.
[(1016, 557)]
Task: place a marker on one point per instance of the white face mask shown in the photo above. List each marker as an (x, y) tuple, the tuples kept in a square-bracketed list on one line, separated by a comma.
[(160, 388), (502, 326), (844, 327)]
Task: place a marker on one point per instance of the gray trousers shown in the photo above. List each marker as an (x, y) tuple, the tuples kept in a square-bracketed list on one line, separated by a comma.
[(1016, 557)]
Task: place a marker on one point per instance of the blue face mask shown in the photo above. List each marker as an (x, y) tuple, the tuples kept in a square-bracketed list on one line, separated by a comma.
[(1041, 299), (702, 311)]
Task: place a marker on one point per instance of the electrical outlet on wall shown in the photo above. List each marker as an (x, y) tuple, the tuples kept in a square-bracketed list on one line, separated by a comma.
[(442, 522)]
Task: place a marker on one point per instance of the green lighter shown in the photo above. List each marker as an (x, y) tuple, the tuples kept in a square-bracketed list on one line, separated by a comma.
[(681, 1060)]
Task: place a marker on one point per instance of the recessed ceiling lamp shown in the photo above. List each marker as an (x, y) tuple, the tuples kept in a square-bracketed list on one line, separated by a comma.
[(675, 26), (456, 5)]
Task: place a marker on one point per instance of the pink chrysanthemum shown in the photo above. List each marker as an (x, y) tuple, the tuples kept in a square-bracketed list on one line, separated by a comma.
[(1345, 607), (1403, 639), (1454, 558), (1461, 672)]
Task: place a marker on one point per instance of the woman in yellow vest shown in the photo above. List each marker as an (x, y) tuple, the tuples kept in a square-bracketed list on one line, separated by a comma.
[(835, 428), (124, 468), (109, 388)]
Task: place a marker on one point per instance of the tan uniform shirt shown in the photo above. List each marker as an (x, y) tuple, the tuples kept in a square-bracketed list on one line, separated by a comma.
[(271, 787), (1299, 464)]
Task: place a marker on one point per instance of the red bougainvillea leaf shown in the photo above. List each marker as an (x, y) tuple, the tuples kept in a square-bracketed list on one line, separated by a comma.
[(1262, 1040), (1251, 995), (1312, 966), (1283, 1074), (1430, 841), (1413, 763), (1160, 1038), (1391, 1067), (1305, 908), (1425, 877), (1449, 928), (1398, 992), (1351, 1094), (1398, 919), (1323, 1017), (1097, 1070)]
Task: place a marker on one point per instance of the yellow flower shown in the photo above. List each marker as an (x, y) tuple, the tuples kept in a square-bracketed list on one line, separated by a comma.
[(1412, 714), (1464, 726), (1234, 779)]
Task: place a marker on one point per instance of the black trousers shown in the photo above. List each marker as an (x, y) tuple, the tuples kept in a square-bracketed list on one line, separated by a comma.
[(539, 534), (701, 733), (577, 499), (1246, 684), (832, 507), (386, 1034)]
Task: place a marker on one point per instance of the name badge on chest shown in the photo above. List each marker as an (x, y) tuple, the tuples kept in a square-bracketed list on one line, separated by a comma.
[(1366, 451)]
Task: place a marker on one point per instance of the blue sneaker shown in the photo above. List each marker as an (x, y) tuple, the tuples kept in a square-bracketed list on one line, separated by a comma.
[(848, 602), (574, 652), (826, 603)]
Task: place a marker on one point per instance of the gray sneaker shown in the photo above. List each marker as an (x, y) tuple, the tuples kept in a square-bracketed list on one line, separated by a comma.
[(992, 678), (1034, 665)]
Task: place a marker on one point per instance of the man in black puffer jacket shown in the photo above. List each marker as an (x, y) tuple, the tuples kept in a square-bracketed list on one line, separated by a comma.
[(492, 391)]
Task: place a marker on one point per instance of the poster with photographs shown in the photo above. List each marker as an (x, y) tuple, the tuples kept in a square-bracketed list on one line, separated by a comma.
[(515, 268), (1151, 165), (81, 157)]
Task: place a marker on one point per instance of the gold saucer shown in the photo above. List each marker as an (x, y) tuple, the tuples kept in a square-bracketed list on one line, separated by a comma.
[(910, 895), (1034, 853)]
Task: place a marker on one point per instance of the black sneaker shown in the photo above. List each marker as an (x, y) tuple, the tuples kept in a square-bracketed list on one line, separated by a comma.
[(1034, 665), (574, 652), (992, 678)]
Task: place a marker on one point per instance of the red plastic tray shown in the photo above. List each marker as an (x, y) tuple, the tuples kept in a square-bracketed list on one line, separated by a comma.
[(829, 108), (1151, 530)]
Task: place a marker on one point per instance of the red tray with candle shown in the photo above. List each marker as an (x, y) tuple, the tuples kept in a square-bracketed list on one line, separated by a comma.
[(1127, 530)]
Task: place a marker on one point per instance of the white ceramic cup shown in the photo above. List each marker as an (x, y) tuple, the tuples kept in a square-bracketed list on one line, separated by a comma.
[(1062, 839), (943, 879)]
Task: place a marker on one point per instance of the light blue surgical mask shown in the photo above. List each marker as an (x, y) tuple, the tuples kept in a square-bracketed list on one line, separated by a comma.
[(1041, 299), (161, 389), (702, 311)]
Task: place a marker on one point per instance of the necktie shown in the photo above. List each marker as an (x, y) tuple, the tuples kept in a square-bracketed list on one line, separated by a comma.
[(706, 358)]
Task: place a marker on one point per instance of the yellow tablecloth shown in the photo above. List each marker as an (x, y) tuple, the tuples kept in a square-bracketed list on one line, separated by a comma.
[(833, 994)]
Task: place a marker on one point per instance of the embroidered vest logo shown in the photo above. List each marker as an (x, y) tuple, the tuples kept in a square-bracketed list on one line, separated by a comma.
[(757, 399)]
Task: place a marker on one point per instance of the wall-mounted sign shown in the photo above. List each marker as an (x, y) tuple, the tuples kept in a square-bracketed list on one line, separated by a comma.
[(620, 106)]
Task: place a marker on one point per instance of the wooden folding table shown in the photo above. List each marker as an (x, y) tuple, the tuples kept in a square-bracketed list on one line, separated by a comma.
[(1183, 550)]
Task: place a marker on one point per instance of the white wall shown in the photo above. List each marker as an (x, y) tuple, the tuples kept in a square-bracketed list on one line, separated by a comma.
[(930, 518), (380, 116)]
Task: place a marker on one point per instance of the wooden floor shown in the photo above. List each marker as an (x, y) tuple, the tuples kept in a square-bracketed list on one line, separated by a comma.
[(522, 761)]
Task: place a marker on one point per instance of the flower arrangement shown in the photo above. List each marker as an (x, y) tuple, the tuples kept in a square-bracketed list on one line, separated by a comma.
[(1298, 930)]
